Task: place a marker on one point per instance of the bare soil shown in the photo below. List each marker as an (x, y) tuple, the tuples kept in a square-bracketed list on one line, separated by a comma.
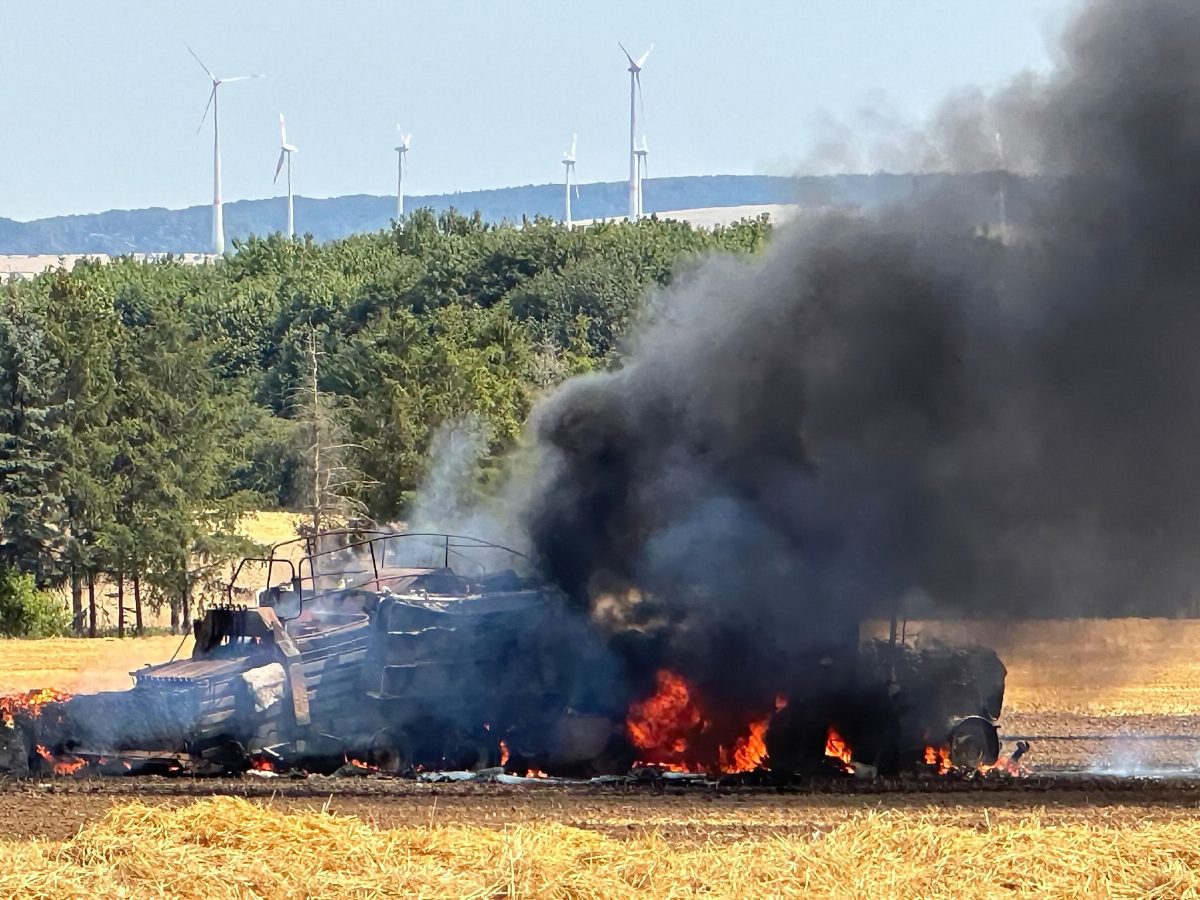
[(56, 810)]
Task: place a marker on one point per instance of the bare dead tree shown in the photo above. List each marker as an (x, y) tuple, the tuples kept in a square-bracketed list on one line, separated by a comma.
[(332, 485)]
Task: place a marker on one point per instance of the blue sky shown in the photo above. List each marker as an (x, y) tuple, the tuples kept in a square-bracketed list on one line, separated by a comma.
[(100, 102)]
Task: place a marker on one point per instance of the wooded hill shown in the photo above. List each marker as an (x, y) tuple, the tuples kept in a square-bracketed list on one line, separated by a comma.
[(189, 230)]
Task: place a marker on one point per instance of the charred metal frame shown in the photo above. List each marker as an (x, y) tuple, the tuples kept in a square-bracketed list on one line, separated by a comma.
[(364, 539)]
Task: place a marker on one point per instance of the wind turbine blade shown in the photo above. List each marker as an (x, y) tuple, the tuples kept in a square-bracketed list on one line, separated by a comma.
[(282, 131), (202, 65), (279, 166), (240, 78), (623, 50), (637, 76), (642, 60), (573, 139), (207, 107)]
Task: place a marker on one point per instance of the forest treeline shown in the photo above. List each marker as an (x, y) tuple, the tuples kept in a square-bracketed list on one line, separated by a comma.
[(145, 407)]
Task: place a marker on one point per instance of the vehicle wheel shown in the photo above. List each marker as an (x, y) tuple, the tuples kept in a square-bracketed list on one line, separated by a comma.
[(470, 752), (391, 751), (974, 742)]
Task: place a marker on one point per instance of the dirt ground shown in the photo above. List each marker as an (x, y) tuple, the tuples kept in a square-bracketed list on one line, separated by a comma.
[(56, 810)]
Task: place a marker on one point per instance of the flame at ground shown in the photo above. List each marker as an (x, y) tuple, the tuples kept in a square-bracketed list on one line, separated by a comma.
[(748, 752), (1006, 766), (939, 757), (664, 724), (61, 765), (673, 731), (503, 753), (837, 748)]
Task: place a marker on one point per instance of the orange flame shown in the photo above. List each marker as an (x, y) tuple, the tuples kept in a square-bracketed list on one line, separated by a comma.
[(664, 721), (939, 757), (359, 764), (675, 733), (29, 703), (836, 747), (1006, 766), (749, 752), (261, 764), (535, 773), (503, 752), (66, 765)]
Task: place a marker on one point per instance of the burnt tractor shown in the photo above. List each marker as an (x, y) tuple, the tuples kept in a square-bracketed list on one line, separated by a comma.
[(402, 651), (432, 651)]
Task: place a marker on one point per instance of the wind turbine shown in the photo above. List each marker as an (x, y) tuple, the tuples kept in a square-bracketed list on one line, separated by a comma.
[(218, 219), (635, 95), (401, 165), (643, 172), (286, 150), (569, 166)]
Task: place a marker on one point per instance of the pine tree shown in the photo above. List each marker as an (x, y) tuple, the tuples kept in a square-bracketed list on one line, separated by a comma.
[(32, 416)]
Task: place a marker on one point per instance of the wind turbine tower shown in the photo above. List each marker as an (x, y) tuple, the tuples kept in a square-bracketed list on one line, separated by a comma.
[(401, 165), (643, 172), (218, 219), (569, 166), (635, 98), (286, 150)]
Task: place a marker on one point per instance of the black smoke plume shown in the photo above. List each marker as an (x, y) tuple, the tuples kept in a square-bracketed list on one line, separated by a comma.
[(877, 407)]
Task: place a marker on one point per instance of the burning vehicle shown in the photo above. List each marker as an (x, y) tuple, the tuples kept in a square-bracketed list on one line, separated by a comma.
[(406, 652)]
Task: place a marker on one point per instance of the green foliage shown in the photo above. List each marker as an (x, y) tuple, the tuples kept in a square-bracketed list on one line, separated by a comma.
[(145, 406), (27, 612)]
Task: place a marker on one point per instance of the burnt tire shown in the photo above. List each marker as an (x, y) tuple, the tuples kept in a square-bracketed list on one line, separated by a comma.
[(469, 752), (974, 742), (391, 751)]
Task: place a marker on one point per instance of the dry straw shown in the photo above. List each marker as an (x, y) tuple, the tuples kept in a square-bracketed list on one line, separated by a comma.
[(227, 847)]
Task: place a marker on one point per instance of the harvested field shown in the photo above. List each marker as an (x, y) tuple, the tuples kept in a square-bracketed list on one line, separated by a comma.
[(80, 665), (264, 527), (230, 847), (1088, 667)]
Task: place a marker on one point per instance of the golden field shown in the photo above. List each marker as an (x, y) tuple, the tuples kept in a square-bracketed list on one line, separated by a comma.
[(229, 847), (80, 665), (1092, 667)]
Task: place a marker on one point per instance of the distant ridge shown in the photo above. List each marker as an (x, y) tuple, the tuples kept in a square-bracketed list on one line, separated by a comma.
[(159, 230)]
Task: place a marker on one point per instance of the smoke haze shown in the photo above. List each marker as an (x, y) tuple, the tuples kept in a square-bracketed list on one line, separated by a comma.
[(876, 407)]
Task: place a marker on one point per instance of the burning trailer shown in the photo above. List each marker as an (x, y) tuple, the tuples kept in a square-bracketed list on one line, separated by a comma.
[(409, 652)]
